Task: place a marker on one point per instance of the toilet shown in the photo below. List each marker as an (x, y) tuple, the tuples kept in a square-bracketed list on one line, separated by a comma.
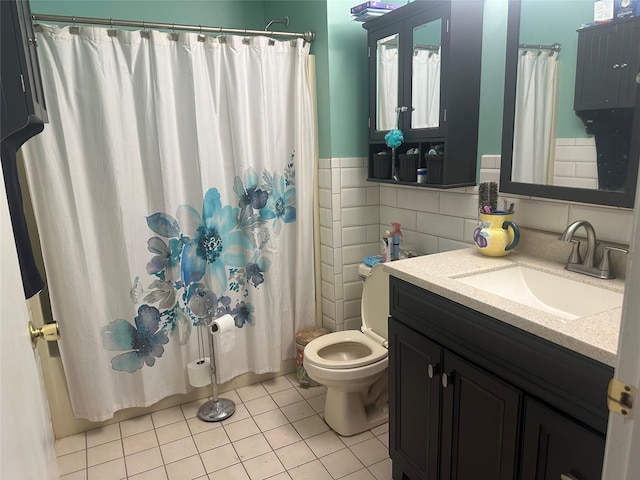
[(352, 364)]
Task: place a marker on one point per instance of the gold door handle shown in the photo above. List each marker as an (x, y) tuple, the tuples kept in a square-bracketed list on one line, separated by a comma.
[(49, 331)]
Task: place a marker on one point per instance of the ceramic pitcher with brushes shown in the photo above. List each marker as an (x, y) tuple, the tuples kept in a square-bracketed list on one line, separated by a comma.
[(497, 234)]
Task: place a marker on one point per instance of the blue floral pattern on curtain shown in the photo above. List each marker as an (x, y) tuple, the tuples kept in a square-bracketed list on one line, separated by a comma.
[(204, 266)]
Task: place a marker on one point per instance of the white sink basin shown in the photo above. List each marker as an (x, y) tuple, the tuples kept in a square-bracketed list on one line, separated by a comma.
[(550, 293)]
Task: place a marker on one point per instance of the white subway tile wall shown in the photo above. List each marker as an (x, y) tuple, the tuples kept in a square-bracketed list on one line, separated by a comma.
[(575, 163), (432, 221)]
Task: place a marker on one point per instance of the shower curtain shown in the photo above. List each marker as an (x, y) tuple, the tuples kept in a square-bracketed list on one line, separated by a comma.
[(535, 117), (387, 82), (174, 184)]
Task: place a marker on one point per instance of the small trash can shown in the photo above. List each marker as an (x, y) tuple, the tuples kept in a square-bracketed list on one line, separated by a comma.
[(303, 337)]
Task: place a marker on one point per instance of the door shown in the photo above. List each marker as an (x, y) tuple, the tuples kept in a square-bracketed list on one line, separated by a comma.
[(26, 447), (557, 447), (480, 416), (623, 436), (414, 402)]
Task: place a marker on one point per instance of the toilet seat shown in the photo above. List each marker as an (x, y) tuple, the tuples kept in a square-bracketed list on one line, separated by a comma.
[(311, 351)]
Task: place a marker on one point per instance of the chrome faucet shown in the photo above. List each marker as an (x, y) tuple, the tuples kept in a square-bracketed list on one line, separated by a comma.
[(575, 263)]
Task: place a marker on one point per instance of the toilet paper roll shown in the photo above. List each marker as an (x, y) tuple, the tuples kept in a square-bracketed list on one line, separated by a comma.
[(199, 372), (224, 331)]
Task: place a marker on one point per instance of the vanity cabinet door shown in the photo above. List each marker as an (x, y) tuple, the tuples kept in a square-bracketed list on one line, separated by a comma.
[(608, 60), (556, 447), (480, 418), (414, 403)]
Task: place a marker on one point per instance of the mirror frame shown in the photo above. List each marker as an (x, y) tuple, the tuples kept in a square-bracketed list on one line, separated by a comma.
[(582, 195)]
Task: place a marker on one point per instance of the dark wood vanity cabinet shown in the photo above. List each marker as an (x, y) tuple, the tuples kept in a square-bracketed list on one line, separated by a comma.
[(608, 61), (21, 85), (472, 397), (403, 46)]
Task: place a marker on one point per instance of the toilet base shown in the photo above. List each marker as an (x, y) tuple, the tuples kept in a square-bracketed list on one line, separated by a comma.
[(345, 414)]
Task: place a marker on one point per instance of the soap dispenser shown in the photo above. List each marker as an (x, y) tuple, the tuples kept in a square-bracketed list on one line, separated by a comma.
[(396, 235)]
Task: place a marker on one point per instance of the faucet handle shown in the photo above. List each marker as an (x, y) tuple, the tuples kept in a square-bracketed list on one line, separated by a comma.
[(605, 262), (575, 257)]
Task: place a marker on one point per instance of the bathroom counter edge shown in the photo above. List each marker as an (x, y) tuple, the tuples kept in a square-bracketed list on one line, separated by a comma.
[(594, 336)]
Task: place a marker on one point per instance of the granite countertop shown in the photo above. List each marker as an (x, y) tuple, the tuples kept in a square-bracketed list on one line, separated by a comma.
[(594, 336)]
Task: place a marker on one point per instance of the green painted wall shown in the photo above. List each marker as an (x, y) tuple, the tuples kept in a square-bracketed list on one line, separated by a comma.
[(494, 39), (220, 13)]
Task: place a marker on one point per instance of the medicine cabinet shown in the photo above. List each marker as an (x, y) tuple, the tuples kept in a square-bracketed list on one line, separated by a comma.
[(424, 79)]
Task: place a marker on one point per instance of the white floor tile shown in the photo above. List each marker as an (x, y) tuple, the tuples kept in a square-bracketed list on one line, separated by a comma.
[(139, 442), (102, 435), (136, 425), (172, 432), (382, 470), (242, 429), (298, 411), (363, 474), (277, 433), (186, 469), (325, 444), (310, 471), (72, 462), (183, 448), (260, 405), (218, 458), (287, 397), (276, 384), (235, 472), (264, 466), (370, 451), (167, 416), (79, 475), (143, 461), (310, 426), (295, 455), (282, 436), (270, 420), (155, 474), (251, 447), (71, 444), (251, 392), (211, 439), (112, 470), (341, 463), (104, 453)]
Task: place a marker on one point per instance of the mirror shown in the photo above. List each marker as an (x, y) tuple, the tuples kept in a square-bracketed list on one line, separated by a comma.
[(426, 73), (388, 63), (546, 149)]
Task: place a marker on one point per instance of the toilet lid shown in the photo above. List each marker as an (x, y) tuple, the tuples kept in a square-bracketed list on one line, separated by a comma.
[(375, 302)]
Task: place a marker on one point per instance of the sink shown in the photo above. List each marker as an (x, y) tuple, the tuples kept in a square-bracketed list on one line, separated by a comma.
[(544, 291)]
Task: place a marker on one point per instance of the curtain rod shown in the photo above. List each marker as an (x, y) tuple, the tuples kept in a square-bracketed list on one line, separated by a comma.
[(307, 36), (556, 47)]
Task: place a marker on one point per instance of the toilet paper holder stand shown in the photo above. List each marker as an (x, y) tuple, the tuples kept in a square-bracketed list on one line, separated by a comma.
[(216, 409)]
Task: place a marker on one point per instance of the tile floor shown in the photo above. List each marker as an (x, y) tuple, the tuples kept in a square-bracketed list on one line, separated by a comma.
[(276, 433)]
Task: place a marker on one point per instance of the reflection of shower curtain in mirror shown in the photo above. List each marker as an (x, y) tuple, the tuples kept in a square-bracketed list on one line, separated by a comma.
[(425, 89), (535, 118), (387, 87)]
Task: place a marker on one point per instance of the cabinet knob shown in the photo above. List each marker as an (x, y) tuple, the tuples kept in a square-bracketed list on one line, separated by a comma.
[(446, 379), (432, 370), (624, 65), (616, 66), (568, 476)]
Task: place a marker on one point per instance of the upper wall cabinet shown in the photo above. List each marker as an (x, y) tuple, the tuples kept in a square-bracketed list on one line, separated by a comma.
[(22, 97), (607, 62), (424, 79)]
